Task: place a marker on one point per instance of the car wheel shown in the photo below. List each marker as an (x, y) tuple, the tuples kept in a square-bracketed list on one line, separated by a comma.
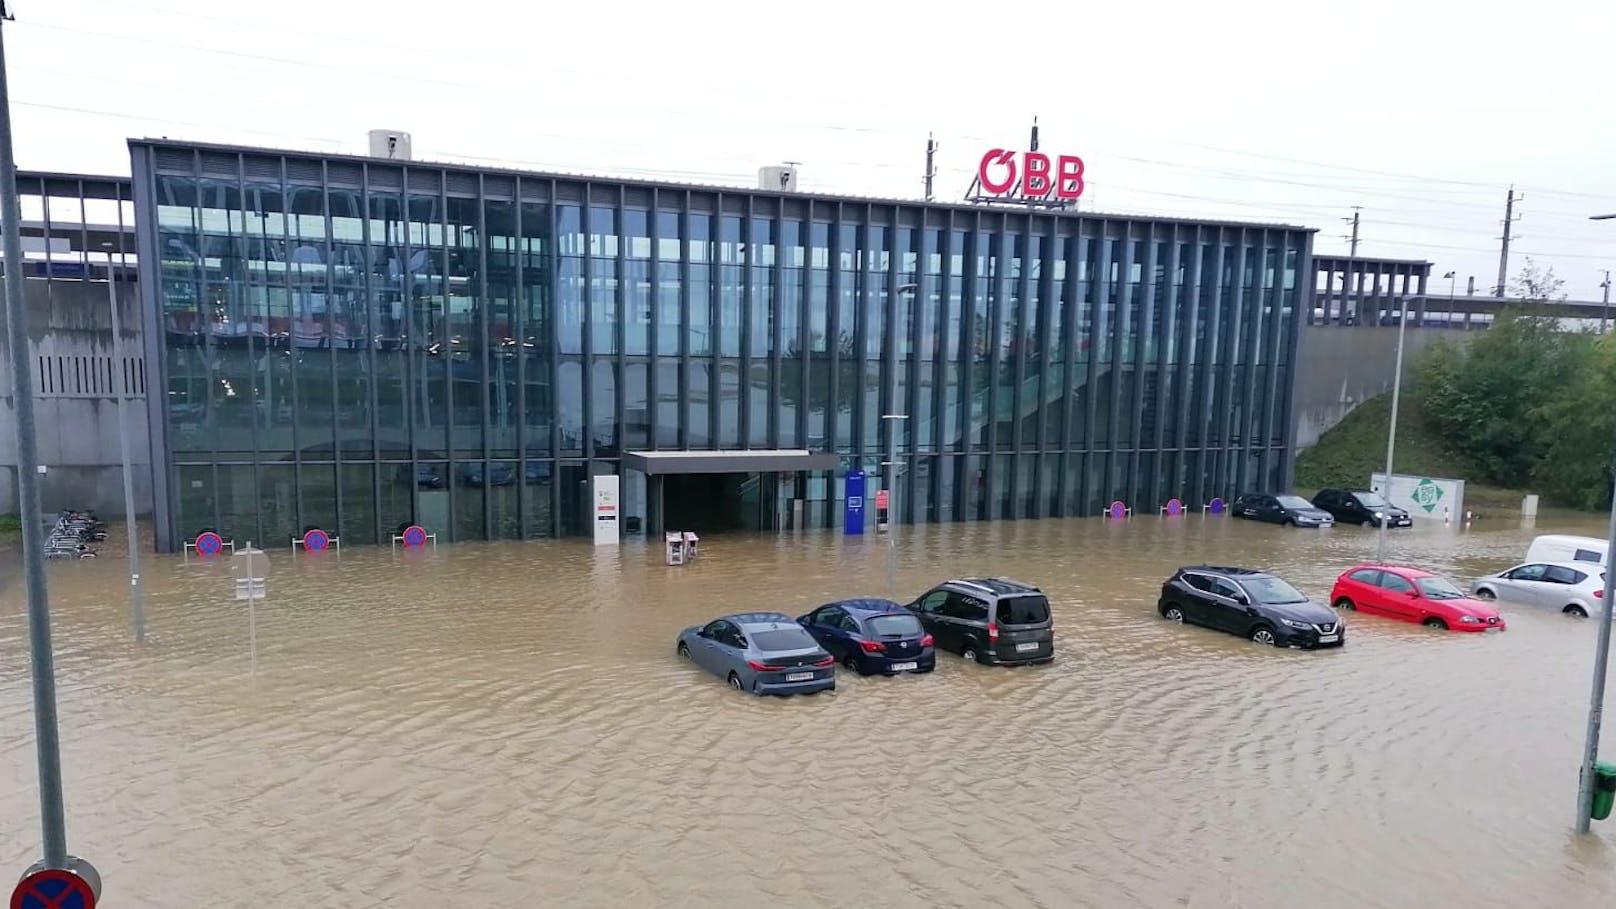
[(849, 662), (1485, 594), (683, 650), (1173, 614), (1345, 603), (1434, 622), (1369, 523), (1264, 635), (1575, 611), (969, 652), (1287, 523), (735, 682)]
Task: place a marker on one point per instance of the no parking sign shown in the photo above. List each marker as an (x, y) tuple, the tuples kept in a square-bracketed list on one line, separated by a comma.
[(53, 888)]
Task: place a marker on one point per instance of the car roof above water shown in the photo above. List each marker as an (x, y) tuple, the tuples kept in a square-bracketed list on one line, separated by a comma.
[(867, 605), (997, 586), (754, 619), (1230, 571)]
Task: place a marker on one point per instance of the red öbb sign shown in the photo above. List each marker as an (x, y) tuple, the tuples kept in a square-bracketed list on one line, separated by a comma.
[(1038, 175)]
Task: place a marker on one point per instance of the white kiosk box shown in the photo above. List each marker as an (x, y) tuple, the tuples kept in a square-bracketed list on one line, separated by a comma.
[(606, 510), (1432, 498)]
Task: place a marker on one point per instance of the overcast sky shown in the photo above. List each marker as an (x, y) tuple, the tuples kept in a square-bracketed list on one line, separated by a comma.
[(1421, 112)]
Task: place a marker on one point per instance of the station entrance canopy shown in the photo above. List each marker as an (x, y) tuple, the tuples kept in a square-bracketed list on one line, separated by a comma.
[(659, 463)]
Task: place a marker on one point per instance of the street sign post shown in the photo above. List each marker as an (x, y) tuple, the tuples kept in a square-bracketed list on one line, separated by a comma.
[(252, 574)]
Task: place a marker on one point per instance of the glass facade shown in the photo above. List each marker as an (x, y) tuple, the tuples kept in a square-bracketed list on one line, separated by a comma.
[(360, 344)]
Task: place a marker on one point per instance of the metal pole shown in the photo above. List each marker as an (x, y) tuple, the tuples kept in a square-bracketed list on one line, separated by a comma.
[(1596, 699), (137, 592), (1391, 434), (52, 821), (1604, 312)]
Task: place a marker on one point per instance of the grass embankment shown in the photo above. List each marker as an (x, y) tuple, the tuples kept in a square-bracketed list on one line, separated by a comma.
[(10, 529), (1356, 448)]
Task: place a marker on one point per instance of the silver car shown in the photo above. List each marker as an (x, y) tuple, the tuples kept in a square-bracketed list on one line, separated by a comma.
[(1574, 588), (760, 652)]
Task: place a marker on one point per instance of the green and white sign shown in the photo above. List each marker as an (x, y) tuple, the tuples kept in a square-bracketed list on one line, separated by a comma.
[(1423, 497), (1427, 494)]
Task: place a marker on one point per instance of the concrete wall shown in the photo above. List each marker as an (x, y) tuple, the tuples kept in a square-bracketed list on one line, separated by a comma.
[(1340, 367), (77, 384)]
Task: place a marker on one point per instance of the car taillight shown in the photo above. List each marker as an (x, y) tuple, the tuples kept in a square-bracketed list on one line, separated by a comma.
[(927, 641), (872, 646), (763, 667), (993, 632), (1599, 594), (825, 662)]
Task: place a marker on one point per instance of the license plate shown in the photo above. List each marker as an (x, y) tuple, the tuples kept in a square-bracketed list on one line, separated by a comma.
[(905, 667), (1022, 648), (1329, 638), (799, 676)]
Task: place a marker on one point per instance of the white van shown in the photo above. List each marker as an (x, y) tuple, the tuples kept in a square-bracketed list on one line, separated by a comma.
[(1559, 547)]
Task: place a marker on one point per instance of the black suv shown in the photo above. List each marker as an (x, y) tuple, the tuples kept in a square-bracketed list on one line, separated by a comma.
[(989, 620), (1360, 506), (1293, 511), (1250, 603)]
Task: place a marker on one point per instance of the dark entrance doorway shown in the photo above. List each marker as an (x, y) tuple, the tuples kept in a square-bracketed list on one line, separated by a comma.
[(708, 503), (717, 491)]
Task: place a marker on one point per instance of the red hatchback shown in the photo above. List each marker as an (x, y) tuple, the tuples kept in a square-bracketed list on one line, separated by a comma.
[(1412, 595)]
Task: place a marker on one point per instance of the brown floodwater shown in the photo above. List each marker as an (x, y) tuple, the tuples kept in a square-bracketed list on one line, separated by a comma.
[(506, 725)]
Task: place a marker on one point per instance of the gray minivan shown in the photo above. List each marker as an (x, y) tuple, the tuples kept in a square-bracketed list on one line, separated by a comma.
[(989, 620)]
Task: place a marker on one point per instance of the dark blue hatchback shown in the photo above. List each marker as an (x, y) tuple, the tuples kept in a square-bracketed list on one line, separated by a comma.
[(872, 636)]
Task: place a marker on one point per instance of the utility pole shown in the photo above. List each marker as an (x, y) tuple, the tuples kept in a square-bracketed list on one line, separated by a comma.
[(1503, 252), (931, 169), (1604, 314), (1354, 238)]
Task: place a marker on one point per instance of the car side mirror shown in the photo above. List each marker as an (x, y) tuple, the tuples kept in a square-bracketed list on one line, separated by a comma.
[(1242, 599), (1413, 594), (742, 641)]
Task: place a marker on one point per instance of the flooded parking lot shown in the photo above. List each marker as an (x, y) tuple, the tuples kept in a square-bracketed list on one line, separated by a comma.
[(505, 725)]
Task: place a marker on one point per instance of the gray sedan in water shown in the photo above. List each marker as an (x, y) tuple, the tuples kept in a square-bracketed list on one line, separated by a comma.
[(760, 652)]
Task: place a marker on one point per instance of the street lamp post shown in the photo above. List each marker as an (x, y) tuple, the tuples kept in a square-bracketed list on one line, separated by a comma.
[(137, 593), (1391, 432), (1596, 697), (889, 472)]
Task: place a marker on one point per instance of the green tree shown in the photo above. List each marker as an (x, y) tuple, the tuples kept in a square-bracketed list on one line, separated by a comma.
[(1576, 467), (1492, 398)]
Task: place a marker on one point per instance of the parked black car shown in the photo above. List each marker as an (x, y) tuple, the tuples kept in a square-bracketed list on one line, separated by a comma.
[(1252, 604), (1290, 510), (872, 636), (989, 620), (1360, 506)]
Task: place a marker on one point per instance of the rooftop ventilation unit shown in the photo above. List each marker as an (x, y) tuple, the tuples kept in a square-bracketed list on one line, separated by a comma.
[(390, 143), (780, 178)]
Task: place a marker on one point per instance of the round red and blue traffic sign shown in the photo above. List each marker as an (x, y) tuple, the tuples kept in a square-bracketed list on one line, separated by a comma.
[(209, 543), (316, 540), (414, 535), (53, 888)]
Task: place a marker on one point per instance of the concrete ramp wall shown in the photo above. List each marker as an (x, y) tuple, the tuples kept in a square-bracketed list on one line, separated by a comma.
[(1340, 367)]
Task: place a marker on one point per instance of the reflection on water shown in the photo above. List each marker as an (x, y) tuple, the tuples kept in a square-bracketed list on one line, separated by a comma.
[(505, 725)]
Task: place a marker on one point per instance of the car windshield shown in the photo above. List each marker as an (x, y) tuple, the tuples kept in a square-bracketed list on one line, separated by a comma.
[(1272, 591), (1370, 499), (783, 639), (1294, 502), (1023, 611), (1439, 589), (892, 625)]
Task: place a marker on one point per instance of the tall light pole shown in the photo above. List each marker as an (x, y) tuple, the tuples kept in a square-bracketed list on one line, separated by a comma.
[(889, 473), (137, 593), (52, 817), (1391, 433), (1596, 698)]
